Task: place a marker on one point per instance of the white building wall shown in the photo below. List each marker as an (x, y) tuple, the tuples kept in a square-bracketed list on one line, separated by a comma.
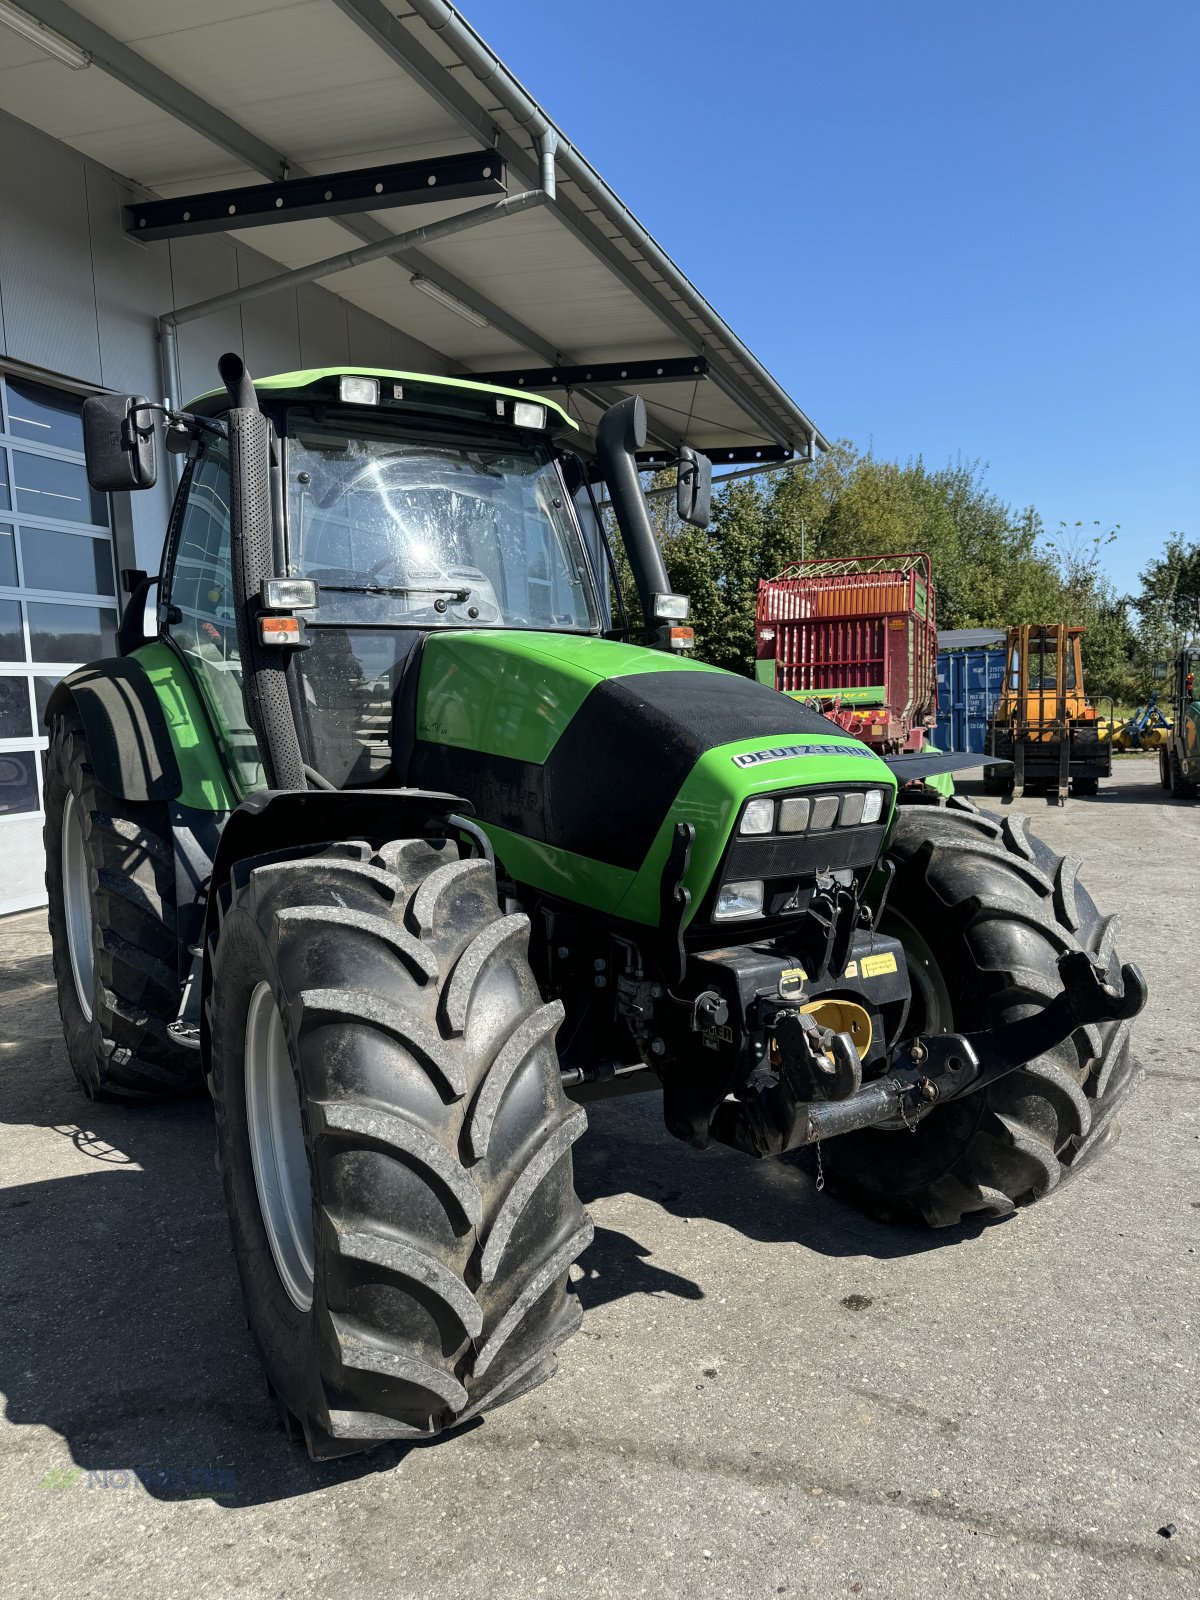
[(79, 300), (79, 309)]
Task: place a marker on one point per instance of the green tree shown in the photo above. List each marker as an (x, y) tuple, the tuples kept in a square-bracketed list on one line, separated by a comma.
[(1168, 607)]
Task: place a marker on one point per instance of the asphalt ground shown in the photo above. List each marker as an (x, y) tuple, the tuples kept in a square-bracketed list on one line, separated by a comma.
[(771, 1396)]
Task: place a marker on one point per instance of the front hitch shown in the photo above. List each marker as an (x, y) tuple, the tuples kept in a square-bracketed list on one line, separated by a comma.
[(930, 1068), (945, 1065)]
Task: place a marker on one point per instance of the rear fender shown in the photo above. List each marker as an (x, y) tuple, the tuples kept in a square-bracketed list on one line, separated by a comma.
[(129, 742)]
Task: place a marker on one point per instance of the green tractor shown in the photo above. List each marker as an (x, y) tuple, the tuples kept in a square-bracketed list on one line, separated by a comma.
[(382, 830), (1179, 740)]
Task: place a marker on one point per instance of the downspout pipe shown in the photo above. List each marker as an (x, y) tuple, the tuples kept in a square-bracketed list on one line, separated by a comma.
[(451, 28), (621, 433)]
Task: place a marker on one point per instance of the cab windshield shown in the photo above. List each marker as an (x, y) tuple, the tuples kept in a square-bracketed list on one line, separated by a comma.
[(400, 529)]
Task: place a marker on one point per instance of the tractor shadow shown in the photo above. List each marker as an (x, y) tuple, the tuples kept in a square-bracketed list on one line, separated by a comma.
[(121, 1324), (627, 1150)]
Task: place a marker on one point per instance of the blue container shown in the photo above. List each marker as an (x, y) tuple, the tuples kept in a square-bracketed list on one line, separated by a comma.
[(969, 684)]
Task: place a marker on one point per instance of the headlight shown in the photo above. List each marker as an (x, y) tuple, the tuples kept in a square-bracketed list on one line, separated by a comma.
[(873, 807), (852, 809), (528, 415), (672, 607), (758, 817), (741, 899), (793, 815), (824, 811), (358, 391)]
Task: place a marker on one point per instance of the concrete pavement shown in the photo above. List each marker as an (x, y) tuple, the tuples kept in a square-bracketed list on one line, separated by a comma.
[(772, 1396)]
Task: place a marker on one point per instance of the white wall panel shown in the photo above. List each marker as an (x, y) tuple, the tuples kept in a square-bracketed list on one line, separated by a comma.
[(133, 283), (324, 341), (45, 256), (270, 331), (81, 301), (200, 268)]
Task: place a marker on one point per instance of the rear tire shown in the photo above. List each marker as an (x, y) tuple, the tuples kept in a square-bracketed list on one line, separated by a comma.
[(985, 910), (436, 1141), (1181, 787), (1085, 786), (110, 886), (1164, 767)]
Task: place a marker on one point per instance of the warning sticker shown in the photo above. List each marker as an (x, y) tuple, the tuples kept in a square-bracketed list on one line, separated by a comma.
[(876, 966)]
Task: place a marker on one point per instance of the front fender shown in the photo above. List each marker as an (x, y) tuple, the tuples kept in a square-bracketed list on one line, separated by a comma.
[(282, 822)]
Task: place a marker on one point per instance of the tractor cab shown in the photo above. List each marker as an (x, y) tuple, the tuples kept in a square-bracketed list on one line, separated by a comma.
[(1044, 728), (405, 506), (1044, 681)]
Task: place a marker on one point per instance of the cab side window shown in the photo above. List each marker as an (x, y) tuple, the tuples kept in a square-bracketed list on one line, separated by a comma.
[(202, 594)]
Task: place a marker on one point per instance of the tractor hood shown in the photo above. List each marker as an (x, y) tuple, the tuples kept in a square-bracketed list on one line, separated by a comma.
[(580, 755)]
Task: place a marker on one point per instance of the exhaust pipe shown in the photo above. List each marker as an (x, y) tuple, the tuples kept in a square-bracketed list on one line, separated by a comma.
[(621, 433)]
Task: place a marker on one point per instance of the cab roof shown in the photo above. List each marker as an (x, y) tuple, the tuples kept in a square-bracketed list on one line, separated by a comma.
[(419, 392)]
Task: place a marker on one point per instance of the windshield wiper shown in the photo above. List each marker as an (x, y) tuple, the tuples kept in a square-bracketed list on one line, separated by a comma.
[(455, 592)]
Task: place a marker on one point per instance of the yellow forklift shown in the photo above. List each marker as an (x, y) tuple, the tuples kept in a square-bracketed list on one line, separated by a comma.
[(1043, 732)]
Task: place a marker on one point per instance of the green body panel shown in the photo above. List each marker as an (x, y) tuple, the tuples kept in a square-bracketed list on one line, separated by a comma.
[(298, 382), (514, 693), (713, 795), (206, 785), (942, 782), (510, 693), (595, 884)]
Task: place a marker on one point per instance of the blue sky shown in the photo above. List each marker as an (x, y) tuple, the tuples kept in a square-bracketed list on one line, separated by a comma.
[(948, 227)]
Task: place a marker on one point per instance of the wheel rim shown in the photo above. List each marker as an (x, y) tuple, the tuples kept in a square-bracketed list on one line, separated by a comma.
[(77, 906), (929, 985), (277, 1151)]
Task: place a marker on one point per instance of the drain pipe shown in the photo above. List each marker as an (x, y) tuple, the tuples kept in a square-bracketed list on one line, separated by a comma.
[(547, 144), (168, 353)]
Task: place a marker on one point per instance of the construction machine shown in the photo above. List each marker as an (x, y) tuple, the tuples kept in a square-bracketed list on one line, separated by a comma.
[(382, 829), (1043, 728)]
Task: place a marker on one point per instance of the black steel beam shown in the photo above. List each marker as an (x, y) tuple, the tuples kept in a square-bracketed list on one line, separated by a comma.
[(746, 455), (674, 369), (477, 174)]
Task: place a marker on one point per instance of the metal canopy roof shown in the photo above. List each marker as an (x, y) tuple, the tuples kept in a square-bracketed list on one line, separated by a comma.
[(185, 99)]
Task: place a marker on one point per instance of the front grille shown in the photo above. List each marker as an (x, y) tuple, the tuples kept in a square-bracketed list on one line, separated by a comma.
[(789, 863), (802, 855)]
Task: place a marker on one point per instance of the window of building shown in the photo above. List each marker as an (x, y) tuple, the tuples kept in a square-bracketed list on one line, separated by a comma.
[(58, 601)]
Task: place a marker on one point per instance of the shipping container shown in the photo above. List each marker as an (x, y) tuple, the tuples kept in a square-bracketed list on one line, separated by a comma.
[(970, 672), (858, 637)]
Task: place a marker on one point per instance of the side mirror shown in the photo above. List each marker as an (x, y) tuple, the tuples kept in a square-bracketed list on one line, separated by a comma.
[(1158, 672), (693, 487), (118, 441)]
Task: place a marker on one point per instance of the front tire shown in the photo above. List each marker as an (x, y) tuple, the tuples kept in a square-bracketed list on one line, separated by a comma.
[(110, 887), (984, 910), (418, 1274)]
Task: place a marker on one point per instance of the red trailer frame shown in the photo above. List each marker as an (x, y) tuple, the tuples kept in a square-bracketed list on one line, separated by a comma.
[(858, 636)]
